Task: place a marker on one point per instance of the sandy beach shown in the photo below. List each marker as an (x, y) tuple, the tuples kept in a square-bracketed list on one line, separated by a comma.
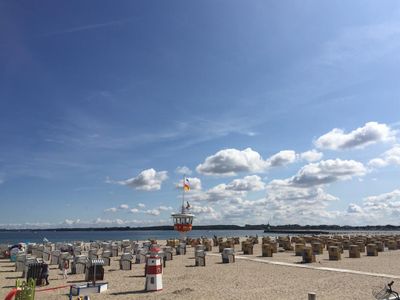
[(282, 276)]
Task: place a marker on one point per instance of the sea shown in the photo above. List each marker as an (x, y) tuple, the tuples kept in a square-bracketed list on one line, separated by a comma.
[(14, 237), (24, 236)]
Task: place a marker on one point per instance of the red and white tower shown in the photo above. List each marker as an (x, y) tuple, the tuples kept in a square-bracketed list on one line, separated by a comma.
[(183, 221), (153, 273)]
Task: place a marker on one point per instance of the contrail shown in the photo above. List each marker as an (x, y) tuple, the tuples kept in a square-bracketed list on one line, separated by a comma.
[(86, 27)]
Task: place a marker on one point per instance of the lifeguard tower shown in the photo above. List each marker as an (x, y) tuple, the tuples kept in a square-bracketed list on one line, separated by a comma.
[(183, 221)]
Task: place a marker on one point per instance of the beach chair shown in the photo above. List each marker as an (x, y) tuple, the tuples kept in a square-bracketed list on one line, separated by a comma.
[(200, 258), (46, 255), (168, 252), (141, 256), (93, 253), (35, 272), (95, 270), (79, 264), (55, 257), (125, 262), (114, 250), (181, 249), (228, 255), (20, 262)]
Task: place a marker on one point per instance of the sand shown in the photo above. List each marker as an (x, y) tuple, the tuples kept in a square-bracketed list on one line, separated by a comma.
[(247, 278)]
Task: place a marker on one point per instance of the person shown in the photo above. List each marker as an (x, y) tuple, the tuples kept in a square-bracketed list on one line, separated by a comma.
[(65, 269), (45, 273)]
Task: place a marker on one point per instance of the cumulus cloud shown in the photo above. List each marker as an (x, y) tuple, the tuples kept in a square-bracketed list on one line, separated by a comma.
[(98, 222), (141, 205), (390, 157), (311, 155), (134, 210), (194, 182), (248, 183), (278, 192), (281, 158), (153, 212), (229, 162), (183, 170), (205, 214), (108, 222), (288, 204), (217, 193), (370, 133), (391, 199), (378, 209), (111, 209), (354, 209), (196, 209), (71, 222), (115, 209), (147, 180), (165, 208), (324, 172)]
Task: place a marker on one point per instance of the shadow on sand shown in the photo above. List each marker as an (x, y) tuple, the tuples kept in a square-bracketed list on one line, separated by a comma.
[(129, 293)]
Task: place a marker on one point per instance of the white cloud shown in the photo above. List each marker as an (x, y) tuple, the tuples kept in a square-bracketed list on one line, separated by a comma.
[(392, 199), (370, 133), (141, 205), (69, 222), (311, 155), (205, 214), (194, 182), (115, 209), (147, 180), (196, 209), (281, 158), (183, 170), (354, 209), (324, 172), (377, 210), (153, 212), (111, 209), (98, 222), (108, 222), (229, 162), (287, 204), (361, 45), (277, 192), (134, 210), (214, 194), (248, 183), (390, 157), (165, 208)]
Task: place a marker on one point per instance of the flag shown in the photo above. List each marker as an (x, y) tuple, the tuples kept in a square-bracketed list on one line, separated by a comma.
[(186, 185)]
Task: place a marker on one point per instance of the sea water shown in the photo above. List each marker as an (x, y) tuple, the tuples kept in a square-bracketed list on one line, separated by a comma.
[(13, 237)]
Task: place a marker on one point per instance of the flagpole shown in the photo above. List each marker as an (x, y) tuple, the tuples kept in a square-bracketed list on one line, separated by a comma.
[(183, 194)]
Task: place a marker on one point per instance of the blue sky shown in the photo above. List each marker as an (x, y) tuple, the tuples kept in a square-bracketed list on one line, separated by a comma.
[(278, 111)]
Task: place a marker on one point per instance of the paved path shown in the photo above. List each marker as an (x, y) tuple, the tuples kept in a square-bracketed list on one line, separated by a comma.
[(312, 267)]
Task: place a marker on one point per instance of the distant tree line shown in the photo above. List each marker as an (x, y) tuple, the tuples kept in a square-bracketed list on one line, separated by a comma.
[(230, 227)]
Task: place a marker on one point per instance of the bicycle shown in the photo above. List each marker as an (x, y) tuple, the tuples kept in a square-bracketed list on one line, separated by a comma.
[(386, 293)]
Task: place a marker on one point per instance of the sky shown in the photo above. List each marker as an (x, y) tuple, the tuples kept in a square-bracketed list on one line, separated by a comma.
[(276, 111)]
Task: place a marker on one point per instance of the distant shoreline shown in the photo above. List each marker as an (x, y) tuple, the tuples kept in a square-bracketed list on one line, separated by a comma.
[(272, 229)]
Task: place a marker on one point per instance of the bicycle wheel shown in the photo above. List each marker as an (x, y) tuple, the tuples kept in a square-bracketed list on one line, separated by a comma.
[(380, 293)]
